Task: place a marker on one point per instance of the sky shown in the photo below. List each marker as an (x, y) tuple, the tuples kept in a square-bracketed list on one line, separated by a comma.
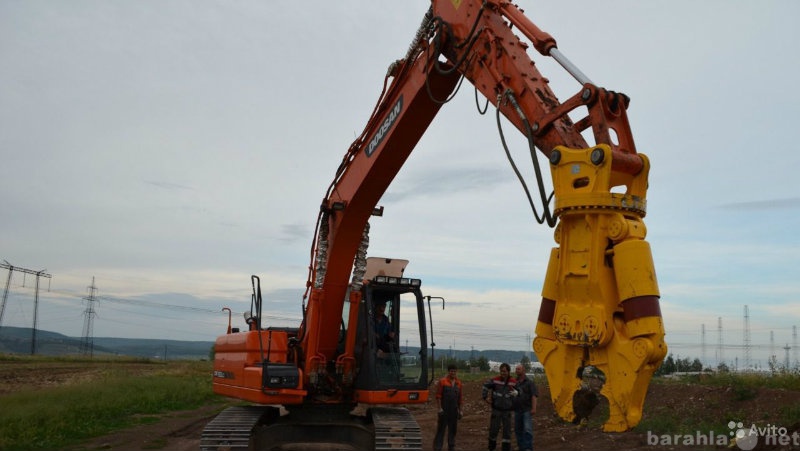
[(168, 150)]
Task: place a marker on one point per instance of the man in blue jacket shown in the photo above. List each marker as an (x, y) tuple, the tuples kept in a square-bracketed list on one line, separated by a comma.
[(524, 409)]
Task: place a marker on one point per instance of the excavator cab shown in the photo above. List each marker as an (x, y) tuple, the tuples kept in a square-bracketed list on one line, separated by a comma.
[(391, 338), (389, 359)]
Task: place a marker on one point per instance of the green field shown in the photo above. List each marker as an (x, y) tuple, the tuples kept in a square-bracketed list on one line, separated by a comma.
[(51, 403)]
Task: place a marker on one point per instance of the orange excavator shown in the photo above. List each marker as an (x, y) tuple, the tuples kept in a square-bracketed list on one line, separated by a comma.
[(341, 379)]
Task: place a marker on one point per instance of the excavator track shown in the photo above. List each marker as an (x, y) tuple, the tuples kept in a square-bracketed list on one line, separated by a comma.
[(232, 429), (395, 428), (235, 429)]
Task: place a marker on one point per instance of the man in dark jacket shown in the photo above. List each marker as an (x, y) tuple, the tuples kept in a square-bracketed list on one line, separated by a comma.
[(449, 398), (503, 390), (384, 335), (524, 409)]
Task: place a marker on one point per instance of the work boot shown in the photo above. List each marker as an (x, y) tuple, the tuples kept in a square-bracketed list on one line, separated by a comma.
[(506, 446), (492, 444)]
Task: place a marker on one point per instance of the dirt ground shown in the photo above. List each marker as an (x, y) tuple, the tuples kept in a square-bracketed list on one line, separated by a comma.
[(180, 431)]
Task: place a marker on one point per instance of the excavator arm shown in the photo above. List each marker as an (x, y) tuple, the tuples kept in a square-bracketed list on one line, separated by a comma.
[(600, 327), (599, 313)]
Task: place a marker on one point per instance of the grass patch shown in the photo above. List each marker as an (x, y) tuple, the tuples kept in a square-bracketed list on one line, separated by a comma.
[(743, 382), (730, 396), (21, 358), (54, 417), (790, 414), (679, 422)]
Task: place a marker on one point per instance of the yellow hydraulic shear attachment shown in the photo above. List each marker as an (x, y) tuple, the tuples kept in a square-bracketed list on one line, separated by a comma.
[(600, 330)]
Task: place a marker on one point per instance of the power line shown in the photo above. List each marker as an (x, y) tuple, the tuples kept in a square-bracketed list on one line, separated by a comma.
[(141, 302), (451, 331)]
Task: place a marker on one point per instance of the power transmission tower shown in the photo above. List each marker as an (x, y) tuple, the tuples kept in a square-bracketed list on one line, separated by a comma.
[(772, 356), (794, 347), (746, 341), (720, 357), (87, 338), (38, 274), (5, 293), (703, 344), (786, 358), (528, 346)]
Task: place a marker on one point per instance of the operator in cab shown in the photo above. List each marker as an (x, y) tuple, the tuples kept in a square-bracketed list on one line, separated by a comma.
[(384, 335)]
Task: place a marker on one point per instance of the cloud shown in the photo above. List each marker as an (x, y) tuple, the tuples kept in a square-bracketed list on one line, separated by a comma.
[(169, 186), (445, 182), (293, 233), (789, 203)]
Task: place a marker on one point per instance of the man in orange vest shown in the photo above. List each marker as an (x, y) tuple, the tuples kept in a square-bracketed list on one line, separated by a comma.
[(449, 399)]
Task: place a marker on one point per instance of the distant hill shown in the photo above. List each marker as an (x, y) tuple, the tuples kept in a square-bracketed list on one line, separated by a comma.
[(17, 340)]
